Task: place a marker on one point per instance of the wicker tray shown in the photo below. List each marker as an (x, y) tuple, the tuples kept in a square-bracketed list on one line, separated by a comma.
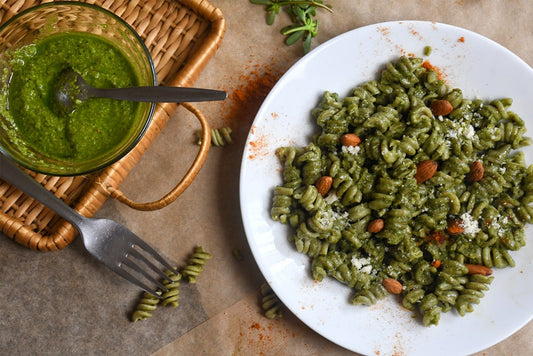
[(182, 36)]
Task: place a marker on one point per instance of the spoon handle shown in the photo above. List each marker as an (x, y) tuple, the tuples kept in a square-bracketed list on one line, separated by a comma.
[(159, 94)]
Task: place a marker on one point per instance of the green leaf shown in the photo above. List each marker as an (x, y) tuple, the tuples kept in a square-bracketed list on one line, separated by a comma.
[(294, 37), (301, 13), (271, 15), (307, 43)]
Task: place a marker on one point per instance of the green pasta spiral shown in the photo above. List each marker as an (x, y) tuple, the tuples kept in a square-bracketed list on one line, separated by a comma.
[(398, 127), (219, 137), (145, 307), (172, 295), (270, 302), (370, 296), (195, 264)]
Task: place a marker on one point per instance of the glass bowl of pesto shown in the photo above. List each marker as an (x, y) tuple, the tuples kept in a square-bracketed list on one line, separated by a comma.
[(36, 45)]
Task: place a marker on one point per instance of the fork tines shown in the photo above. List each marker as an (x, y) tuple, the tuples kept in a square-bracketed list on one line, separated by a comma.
[(133, 259)]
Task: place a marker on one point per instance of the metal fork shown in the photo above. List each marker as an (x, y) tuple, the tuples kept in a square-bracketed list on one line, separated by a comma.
[(109, 242)]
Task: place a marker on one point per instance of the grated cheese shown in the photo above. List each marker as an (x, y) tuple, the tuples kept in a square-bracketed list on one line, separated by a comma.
[(325, 219), (469, 131), (362, 264), (497, 224), (331, 197), (351, 149), (470, 225)]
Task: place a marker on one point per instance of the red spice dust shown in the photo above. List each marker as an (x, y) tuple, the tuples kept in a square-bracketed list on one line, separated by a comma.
[(440, 74), (385, 31), (263, 338), (258, 147), (437, 237), (245, 100), (461, 39)]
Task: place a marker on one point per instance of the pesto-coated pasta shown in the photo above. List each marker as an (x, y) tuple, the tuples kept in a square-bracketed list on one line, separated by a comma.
[(172, 295), (195, 264), (471, 209), (149, 302), (270, 302), (219, 137), (145, 307)]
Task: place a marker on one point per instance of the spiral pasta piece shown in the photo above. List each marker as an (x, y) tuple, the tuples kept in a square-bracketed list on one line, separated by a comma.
[(370, 296), (171, 297), (270, 302), (145, 307), (291, 173), (412, 294), (310, 199), (195, 264), (472, 293), (281, 204), (311, 164), (430, 309), (310, 245), (219, 137)]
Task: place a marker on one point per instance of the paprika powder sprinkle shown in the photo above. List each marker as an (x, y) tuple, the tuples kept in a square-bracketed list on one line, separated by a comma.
[(257, 147), (440, 74), (245, 100), (264, 338), (437, 237)]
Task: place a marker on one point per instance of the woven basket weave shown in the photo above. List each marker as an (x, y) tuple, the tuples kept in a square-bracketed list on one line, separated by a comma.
[(182, 36)]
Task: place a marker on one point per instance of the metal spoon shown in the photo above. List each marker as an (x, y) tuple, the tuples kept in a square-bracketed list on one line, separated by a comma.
[(71, 90)]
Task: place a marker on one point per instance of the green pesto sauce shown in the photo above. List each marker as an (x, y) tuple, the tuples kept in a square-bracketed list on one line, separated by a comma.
[(97, 124)]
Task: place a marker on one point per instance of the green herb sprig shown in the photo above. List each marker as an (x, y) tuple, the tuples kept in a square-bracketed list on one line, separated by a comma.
[(302, 14)]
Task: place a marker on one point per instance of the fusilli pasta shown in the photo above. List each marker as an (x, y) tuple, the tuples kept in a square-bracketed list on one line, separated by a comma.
[(219, 137), (145, 307), (471, 209), (172, 295), (195, 264), (270, 302), (149, 302)]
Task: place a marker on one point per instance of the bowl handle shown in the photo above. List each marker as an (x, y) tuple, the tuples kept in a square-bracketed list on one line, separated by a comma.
[(187, 178)]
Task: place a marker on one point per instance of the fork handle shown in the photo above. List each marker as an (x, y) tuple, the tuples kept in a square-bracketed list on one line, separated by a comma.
[(13, 175)]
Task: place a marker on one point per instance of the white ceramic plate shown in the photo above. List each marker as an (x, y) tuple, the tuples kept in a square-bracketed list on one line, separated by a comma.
[(477, 65)]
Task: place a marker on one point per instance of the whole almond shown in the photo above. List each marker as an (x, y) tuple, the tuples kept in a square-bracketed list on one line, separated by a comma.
[(392, 286), (478, 269), (425, 170), (476, 172), (376, 226), (350, 139), (441, 107), (455, 226), (323, 185)]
